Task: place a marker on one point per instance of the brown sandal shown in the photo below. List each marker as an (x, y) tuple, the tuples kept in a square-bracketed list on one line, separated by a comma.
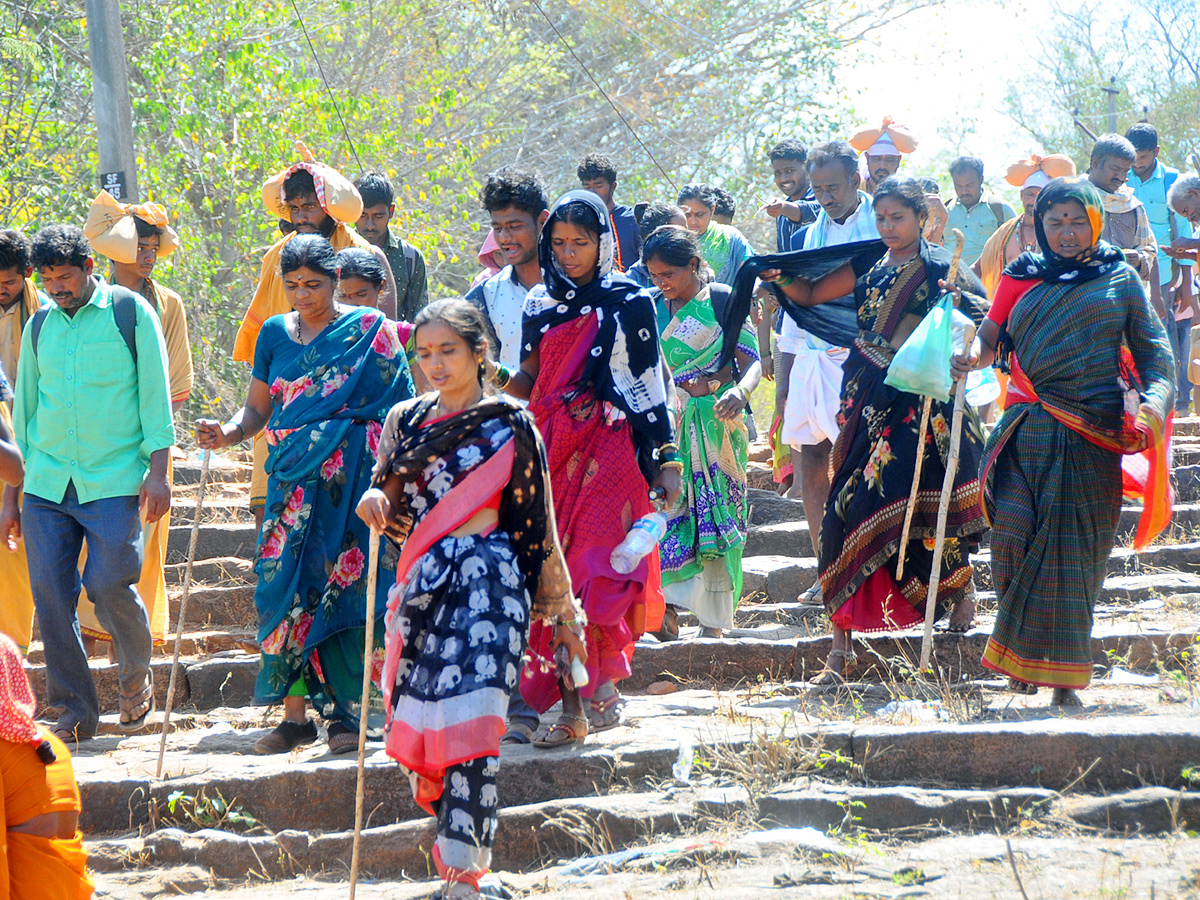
[(573, 729), (127, 721), (1021, 687)]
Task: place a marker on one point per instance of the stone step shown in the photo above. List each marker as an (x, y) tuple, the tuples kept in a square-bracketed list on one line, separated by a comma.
[(309, 790), (785, 650), (194, 644), (217, 607), (222, 570), (1187, 426), (223, 468), (214, 541), (530, 837)]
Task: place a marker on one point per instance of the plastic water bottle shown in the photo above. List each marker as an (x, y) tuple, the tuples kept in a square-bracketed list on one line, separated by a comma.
[(643, 535)]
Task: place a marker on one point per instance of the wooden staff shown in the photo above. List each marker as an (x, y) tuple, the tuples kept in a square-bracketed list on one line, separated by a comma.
[(939, 544), (359, 790), (205, 457), (916, 485)]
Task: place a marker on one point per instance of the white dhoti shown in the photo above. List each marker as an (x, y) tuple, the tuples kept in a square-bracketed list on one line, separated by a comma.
[(814, 394)]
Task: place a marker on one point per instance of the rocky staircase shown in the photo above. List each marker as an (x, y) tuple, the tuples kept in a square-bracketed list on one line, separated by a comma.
[(714, 730)]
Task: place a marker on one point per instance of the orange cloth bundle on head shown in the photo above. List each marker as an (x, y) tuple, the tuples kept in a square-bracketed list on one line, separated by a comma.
[(886, 140), (1039, 171), (111, 230)]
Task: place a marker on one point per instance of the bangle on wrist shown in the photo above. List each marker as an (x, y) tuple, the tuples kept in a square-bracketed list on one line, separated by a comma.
[(502, 376), (784, 280), (676, 464)]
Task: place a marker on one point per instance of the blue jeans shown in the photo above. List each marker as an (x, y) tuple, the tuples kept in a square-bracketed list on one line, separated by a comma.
[(1181, 343), (54, 535)]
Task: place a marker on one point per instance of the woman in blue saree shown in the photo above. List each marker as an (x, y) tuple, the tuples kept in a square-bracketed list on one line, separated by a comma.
[(324, 379)]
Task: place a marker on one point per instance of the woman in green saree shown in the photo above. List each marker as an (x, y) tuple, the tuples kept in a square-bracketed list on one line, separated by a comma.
[(706, 529)]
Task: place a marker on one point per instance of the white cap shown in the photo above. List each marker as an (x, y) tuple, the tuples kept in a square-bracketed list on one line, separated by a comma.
[(885, 146), (1038, 179)]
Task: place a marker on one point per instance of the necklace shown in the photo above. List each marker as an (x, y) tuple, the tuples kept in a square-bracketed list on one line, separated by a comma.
[(337, 314), (440, 410)]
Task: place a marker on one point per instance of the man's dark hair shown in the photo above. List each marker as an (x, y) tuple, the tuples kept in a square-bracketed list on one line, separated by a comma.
[(375, 189), (725, 205), (146, 229), (839, 152), (594, 166), (656, 215), (789, 149), (517, 188), (1143, 136), (299, 184), (60, 245), (695, 190), (967, 164), (14, 251), (1110, 146)]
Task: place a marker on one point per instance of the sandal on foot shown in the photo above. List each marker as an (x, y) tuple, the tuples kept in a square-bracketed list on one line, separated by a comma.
[(144, 700), (341, 738), (519, 733), (286, 737), (1021, 687), (814, 595), (831, 676), (567, 730), (71, 735), (604, 712), (670, 626)]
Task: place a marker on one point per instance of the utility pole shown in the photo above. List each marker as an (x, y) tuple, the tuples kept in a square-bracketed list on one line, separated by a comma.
[(1112, 90), (110, 98)]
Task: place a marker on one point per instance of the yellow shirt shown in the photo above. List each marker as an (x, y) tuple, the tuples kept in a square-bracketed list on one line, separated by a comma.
[(269, 298), (12, 321), (169, 306)]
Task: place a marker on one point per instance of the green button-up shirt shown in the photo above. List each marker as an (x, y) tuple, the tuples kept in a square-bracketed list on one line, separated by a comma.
[(977, 224), (83, 412), (411, 288)]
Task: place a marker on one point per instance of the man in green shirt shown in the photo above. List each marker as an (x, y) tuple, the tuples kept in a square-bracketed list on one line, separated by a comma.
[(975, 211), (408, 265), (93, 418)]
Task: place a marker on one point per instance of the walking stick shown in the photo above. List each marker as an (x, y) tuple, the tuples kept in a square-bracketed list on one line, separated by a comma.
[(916, 485), (372, 582), (939, 544), (205, 457)]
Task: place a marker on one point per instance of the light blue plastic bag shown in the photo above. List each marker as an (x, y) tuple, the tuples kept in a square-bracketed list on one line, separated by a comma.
[(922, 364)]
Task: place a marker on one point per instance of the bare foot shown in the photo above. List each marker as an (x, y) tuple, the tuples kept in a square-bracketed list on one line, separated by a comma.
[(1066, 698), (706, 632), (838, 663), (962, 617)]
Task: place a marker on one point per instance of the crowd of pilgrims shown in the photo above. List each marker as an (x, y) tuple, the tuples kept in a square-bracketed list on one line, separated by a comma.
[(600, 369)]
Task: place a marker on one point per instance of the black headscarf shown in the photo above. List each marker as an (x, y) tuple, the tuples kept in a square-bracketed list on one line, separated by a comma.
[(1099, 259)]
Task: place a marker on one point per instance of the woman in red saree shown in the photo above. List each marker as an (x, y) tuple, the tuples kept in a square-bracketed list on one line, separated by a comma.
[(592, 371)]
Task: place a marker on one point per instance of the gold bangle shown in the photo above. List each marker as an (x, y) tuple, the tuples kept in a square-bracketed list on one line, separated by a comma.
[(676, 464)]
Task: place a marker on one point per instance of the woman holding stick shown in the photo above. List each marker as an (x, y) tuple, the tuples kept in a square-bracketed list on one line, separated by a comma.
[(1052, 467), (324, 378), (875, 455), (463, 489)]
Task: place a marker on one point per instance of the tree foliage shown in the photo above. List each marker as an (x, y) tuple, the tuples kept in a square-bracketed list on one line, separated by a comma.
[(435, 94), (1150, 54)]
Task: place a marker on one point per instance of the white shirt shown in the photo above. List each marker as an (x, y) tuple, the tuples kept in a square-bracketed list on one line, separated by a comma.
[(504, 297), (825, 232)]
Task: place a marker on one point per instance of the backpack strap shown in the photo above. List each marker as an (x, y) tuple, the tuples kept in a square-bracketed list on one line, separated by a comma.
[(35, 326), (124, 311), (997, 209), (410, 257)]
